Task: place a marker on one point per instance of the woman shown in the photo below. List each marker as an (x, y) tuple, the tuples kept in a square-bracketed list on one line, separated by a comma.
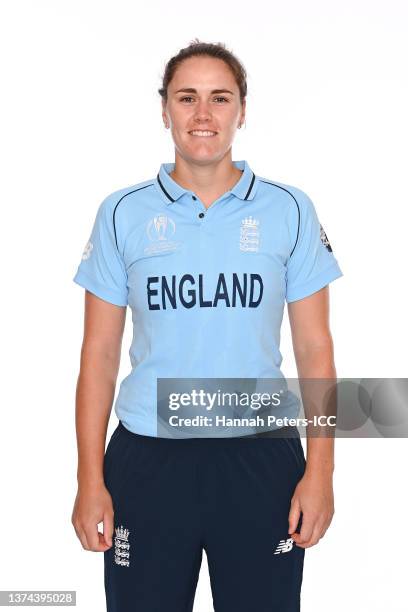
[(205, 254)]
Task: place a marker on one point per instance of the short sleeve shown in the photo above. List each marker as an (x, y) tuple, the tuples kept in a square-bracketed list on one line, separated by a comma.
[(102, 270), (311, 264)]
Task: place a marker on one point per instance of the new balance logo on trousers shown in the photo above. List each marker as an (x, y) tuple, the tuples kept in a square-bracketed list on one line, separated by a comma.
[(284, 546)]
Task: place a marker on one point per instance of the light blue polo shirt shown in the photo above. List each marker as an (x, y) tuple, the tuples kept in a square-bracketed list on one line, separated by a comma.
[(206, 287)]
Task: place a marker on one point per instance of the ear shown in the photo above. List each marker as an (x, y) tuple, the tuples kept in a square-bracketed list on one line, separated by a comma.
[(243, 105), (164, 113)]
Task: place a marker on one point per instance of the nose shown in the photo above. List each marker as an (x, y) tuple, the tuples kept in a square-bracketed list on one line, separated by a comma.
[(202, 113)]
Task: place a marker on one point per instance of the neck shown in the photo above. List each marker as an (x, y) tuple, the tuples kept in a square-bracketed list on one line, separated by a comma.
[(206, 178)]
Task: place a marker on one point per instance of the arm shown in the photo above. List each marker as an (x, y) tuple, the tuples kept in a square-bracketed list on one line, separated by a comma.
[(314, 355), (100, 358)]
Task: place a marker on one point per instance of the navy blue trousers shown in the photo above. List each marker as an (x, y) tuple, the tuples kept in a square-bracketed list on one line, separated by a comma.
[(174, 498)]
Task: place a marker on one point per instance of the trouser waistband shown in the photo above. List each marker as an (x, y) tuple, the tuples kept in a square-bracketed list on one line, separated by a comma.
[(289, 431)]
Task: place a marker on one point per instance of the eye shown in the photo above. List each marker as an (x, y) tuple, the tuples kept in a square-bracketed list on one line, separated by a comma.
[(216, 98)]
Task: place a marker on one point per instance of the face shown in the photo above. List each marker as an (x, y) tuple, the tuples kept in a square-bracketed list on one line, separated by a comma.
[(203, 97)]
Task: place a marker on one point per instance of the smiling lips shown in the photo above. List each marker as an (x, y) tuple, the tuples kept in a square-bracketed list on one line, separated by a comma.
[(203, 133)]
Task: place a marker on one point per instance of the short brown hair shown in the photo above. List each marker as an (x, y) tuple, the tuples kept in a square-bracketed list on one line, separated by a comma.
[(217, 50)]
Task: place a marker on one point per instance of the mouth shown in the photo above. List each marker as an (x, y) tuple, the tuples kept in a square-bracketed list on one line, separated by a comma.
[(203, 133)]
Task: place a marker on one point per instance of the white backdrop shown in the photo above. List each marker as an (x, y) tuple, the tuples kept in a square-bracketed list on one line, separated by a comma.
[(327, 112)]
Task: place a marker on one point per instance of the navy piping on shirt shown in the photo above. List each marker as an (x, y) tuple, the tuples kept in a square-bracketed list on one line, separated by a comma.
[(172, 200), (124, 196), (297, 235), (250, 187), (163, 189)]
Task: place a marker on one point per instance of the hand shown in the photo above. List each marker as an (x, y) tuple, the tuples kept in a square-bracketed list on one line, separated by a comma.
[(313, 497), (93, 505)]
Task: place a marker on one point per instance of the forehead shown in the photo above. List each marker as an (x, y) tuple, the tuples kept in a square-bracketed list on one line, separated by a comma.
[(203, 72)]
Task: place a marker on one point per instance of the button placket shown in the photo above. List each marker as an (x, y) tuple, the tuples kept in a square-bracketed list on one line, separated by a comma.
[(201, 214), (204, 212)]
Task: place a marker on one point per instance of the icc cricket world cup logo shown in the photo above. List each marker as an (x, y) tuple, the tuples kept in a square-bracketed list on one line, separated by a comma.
[(161, 227), (160, 231)]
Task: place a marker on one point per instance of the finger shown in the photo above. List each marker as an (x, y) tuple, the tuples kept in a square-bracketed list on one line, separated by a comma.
[(294, 516), (315, 537), (325, 528), (108, 528), (328, 522), (82, 537), (306, 530), (92, 537), (102, 543)]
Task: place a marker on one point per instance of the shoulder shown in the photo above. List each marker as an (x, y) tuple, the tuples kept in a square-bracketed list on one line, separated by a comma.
[(292, 195), (126, 196)]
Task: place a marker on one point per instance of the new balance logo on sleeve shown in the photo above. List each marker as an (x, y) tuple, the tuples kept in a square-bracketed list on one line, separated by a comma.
[(87, 250)]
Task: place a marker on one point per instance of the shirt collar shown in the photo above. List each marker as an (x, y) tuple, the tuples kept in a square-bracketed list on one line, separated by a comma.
[(170, 190)]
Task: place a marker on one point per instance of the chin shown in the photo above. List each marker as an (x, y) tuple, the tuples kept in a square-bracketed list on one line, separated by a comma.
[(200, 155)]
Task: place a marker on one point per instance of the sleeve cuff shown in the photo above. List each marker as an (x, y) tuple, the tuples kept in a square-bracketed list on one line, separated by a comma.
[(318, 282), (105, 293)]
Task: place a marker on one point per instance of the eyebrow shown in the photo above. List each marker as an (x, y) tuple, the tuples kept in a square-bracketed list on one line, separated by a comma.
[(214, 91)]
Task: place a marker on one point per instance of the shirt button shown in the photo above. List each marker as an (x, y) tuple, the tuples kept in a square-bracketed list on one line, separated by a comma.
[(201, 215), (194, 198)]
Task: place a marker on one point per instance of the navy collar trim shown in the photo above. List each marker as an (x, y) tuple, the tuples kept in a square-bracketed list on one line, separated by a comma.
[(171, 191)]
